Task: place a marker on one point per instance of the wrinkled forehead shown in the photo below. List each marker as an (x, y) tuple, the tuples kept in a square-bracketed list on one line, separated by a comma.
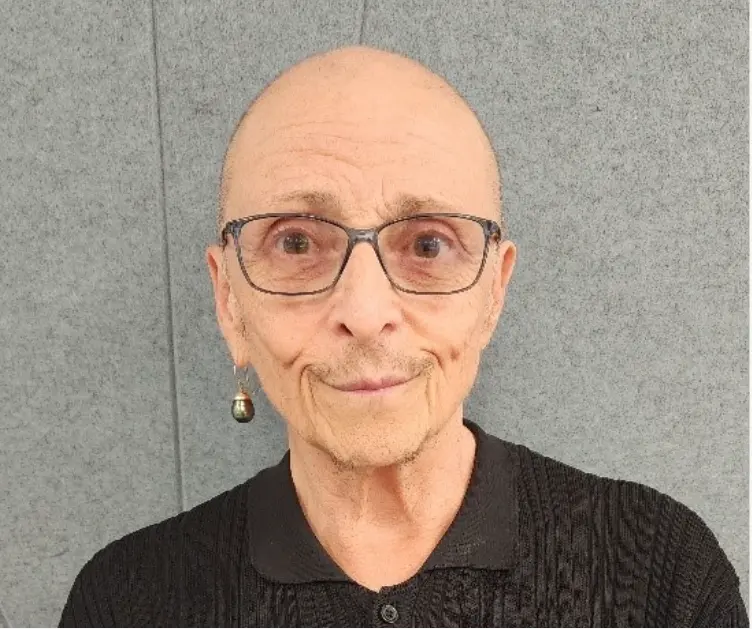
[(367, 150)]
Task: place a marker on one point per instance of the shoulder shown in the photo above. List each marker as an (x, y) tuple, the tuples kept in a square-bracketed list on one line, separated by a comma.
[(203, 528), (632, 529), (543, 479), (135, 579)]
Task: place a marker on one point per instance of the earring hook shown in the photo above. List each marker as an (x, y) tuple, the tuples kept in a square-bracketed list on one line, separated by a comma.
[(243, 385)]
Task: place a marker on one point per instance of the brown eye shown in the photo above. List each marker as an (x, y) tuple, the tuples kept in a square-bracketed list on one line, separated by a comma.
[(296, 243), (428, 247)]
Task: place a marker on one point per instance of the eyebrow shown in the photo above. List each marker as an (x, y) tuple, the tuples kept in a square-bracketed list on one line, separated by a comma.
[(327, 204)]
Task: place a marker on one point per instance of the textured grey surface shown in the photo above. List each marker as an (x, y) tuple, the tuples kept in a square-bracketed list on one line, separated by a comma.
[(86, 449), (622, 348)]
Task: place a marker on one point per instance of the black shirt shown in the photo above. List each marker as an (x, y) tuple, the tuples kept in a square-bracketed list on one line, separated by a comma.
[(535, 543)]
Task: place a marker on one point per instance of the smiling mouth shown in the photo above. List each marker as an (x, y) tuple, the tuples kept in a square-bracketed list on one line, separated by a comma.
[(371, 389)]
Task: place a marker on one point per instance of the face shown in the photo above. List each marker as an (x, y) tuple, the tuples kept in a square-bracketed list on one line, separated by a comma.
[(365, 145)]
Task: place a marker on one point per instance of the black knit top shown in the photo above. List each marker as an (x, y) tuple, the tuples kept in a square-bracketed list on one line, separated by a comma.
[(535, 543)]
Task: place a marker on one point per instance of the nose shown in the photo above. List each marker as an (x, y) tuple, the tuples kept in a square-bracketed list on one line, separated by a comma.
[(366, 300)]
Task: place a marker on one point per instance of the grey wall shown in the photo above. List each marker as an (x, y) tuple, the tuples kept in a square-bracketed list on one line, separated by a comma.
[(623, 346)]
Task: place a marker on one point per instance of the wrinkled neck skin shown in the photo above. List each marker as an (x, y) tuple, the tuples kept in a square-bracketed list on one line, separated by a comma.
[(401, 508)]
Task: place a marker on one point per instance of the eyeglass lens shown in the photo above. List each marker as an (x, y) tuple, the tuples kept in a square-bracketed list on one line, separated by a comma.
[(299, 254)]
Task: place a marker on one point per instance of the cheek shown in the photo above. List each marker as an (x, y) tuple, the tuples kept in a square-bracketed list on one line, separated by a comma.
[(464, 356), (283, 337), (457, 332), (461, 351), (271, 338)]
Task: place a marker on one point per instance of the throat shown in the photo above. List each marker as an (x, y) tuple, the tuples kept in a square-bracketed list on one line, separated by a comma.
[(367, 534), (375, 565)]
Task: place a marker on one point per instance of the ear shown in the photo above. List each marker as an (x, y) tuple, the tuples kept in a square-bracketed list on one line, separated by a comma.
[(228, 312), (502, 268)]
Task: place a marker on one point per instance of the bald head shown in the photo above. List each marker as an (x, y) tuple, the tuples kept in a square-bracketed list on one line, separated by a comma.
[(351, 85)]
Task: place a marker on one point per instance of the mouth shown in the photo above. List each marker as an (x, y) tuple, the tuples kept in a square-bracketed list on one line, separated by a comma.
[(370, 387)]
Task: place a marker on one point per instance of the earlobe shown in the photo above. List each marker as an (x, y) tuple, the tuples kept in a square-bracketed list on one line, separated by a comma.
[(502, 270), (492, 318), (221, 285), (228, 311)]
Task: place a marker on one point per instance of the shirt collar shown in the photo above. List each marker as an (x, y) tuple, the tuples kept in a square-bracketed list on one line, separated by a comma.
[(283, 548)]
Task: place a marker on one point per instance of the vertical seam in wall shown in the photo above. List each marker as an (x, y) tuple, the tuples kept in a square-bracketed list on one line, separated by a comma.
[(4, 617), (363, 22), (168, 290)]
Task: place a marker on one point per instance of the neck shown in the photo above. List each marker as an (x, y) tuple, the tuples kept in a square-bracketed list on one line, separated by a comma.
[(405, 506)]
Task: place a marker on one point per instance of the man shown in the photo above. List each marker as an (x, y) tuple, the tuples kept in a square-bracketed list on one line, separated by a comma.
[(390, 507)]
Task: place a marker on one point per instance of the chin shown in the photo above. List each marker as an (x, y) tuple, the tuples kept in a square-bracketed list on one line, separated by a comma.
[(360, 447), (350, 461)]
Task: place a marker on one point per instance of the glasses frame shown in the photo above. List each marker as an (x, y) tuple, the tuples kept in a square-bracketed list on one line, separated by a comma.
[(491, 230)]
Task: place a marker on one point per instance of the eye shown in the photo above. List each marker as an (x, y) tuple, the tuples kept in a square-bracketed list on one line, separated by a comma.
[(295, 242), (428, 246)]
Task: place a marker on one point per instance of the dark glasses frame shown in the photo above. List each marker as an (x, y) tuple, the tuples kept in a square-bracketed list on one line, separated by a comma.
[(491, 230)]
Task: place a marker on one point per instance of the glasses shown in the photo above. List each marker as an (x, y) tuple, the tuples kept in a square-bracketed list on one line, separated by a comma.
[(306, 254)]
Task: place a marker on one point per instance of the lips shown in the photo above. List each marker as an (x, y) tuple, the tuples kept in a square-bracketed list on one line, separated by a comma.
[(371, 384)]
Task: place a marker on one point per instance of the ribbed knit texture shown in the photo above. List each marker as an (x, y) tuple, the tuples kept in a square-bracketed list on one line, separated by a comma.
[(591, 552)]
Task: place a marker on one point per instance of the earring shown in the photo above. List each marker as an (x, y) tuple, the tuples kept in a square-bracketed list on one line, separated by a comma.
[(242, 405)]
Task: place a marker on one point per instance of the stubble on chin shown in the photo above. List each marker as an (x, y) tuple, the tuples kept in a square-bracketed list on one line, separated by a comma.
[(368, 442)]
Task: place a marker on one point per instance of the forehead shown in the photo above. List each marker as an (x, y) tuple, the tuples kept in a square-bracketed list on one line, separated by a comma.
[(351, 161), (327, 204)]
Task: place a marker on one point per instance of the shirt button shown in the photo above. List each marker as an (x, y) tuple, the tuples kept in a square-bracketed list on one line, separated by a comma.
[(389, 613)]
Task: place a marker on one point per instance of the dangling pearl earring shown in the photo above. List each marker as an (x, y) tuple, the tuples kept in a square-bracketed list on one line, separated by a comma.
[(242, 405)]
